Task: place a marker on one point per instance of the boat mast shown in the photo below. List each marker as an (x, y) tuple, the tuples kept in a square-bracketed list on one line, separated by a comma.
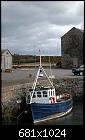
[(35, 81), (40, 59)]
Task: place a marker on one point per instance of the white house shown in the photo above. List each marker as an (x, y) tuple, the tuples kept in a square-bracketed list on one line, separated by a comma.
[(6, 60)]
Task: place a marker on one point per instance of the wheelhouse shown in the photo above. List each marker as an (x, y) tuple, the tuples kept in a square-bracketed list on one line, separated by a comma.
[(41, 94)]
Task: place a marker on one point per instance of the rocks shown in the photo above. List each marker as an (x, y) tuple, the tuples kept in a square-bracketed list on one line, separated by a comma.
[(73, 86)]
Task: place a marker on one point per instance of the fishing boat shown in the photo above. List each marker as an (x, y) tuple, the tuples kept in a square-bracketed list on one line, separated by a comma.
[(44, 101)]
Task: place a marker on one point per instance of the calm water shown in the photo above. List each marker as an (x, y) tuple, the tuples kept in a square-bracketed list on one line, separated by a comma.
[(73, 118)]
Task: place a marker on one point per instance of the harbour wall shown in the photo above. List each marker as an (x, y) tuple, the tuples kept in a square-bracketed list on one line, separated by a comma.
[(10, 94)]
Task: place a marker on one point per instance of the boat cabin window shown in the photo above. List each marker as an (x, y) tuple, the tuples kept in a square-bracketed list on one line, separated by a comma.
[(51, 93), (38, 94), (34, 96), (44, 93)]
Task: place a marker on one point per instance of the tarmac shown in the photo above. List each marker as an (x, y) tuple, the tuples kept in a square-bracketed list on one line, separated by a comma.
[(22, 76)]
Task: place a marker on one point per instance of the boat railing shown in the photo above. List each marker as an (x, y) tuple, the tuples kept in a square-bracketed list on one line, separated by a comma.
[(63, 97)]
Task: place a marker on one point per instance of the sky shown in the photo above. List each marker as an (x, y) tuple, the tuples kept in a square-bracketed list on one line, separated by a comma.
[(30, 26)]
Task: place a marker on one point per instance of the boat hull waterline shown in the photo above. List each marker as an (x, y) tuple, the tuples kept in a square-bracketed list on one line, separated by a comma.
[(42, 112)]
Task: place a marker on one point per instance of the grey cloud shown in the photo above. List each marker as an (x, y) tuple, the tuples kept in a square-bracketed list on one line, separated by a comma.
[(41, 24)]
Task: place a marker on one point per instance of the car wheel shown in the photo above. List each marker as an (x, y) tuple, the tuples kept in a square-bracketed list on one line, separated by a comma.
[(81, 73)]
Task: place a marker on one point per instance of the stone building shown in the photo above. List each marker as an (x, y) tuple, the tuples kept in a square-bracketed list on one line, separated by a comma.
[(6, 60), (72, 48)]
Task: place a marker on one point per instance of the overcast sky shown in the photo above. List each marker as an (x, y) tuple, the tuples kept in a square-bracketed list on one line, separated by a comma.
[(28, 26)]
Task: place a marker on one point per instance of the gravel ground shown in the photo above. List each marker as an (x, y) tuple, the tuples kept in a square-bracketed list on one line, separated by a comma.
[(21, 76)]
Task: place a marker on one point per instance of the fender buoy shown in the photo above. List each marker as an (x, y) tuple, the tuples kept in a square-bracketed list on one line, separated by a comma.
[(52, 99)]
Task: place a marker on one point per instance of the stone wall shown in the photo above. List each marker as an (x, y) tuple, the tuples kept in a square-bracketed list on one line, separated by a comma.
[(14, 92), (10, 94), (72, 47), (74, 86)]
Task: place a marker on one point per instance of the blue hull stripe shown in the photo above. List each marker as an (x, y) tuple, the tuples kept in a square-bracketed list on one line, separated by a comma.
[(42, 111)]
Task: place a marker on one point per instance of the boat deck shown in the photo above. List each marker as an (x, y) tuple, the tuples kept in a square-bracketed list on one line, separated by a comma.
[(66, 97)]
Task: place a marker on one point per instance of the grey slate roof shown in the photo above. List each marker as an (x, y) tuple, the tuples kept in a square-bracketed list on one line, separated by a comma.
[(72, 29), (2, 51)]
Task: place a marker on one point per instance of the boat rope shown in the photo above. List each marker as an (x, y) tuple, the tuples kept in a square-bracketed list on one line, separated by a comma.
[(18, 115), (35, 81), (34, 84), (50, 69), (48, 78)]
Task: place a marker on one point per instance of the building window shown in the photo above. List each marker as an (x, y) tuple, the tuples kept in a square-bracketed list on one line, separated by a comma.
[(38, 94), (6, 52), (44, 93)]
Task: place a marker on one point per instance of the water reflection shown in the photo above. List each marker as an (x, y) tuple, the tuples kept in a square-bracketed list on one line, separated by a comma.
[(75, 117)]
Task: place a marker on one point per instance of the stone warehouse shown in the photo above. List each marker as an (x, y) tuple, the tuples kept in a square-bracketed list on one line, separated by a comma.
[(6, 60), (72, 48)]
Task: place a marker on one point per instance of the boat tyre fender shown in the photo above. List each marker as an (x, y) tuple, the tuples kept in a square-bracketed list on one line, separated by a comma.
[(52, 99)]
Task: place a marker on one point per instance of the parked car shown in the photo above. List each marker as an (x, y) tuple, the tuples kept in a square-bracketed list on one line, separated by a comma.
[(78, 71)]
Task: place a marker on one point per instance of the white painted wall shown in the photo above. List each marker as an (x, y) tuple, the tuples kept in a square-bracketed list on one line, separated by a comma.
[(44, 99), (6, 60)]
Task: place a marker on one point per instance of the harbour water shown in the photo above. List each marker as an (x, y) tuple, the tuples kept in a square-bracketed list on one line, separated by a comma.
[(73, 118)]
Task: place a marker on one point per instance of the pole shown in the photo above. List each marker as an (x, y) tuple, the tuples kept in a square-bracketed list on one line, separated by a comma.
[(40, 59), (34, 57), (35, 60)]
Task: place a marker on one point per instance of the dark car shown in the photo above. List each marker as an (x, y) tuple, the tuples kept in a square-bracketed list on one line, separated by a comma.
[(79, 70)]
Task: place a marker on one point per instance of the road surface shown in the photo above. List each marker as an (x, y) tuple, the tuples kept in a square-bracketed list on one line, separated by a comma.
[(21, 76)]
